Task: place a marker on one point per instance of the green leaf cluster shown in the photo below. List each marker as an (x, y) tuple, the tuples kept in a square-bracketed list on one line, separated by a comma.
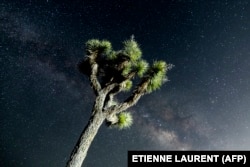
[(112, 55), (132, 50), (141, 67), (157, 76), (103, 46), (128, 62), (125, 120), (127, 85), (127, 68)]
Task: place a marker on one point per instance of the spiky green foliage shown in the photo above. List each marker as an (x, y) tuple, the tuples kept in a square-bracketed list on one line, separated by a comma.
[(159, 66), (103, 46), (125, 120), (155, 82), (92, 44), (112, 55), (158, 75), (127, 69), (132, 50), (128, 63), (127, 85), (141, 67), (106, 46)]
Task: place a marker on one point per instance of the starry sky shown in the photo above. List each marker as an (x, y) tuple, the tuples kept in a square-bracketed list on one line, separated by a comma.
[(45, 102)]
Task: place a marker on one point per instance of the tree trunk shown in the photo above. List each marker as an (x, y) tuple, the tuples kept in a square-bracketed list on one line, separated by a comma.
[(80, 151)]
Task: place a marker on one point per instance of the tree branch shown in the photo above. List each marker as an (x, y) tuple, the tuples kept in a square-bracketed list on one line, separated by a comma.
[(114, 88), (132, 100), (95, 84)]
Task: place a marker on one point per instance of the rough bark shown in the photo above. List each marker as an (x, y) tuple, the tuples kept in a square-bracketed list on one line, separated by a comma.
[(85, 140), (80, 151)]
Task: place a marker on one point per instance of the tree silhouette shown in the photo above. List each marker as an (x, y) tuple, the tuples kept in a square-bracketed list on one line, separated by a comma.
[(111, 72)]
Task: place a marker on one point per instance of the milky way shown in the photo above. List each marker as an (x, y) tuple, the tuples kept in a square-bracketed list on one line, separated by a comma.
[(45, 102)]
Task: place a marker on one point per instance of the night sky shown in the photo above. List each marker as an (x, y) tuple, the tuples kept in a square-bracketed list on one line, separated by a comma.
[(45, 102)]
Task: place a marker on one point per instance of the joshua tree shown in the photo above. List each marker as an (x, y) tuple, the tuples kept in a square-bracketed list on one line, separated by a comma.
[(111, 72)]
